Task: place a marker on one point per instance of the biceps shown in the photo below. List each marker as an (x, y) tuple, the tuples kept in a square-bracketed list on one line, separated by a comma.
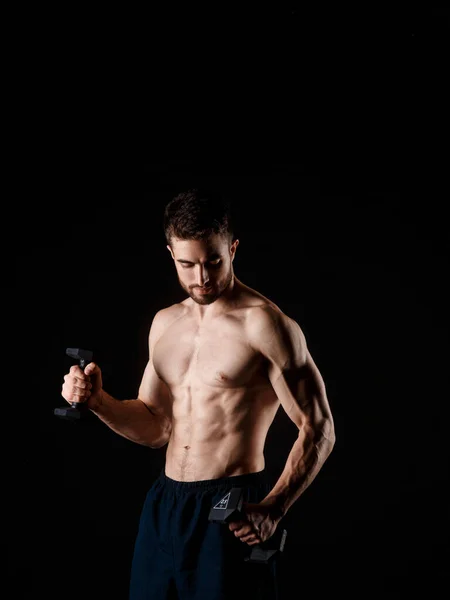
[(153, 392), (303, 396)]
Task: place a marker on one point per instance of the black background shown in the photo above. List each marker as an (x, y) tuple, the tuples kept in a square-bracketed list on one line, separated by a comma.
[(327, 131)]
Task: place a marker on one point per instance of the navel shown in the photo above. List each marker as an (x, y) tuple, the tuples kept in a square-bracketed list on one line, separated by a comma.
[(186, 447)]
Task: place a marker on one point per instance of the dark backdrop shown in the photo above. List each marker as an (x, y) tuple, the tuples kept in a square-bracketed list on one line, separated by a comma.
[(346, 233)]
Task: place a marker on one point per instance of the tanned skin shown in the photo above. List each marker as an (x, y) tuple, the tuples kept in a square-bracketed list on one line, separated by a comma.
[(220, 364)]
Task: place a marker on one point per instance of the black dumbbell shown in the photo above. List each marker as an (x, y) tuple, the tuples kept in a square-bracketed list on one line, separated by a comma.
[(76, 411), (229, 508)]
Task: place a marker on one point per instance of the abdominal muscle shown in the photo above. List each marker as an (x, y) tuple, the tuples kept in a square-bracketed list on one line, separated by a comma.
[(218, 432)]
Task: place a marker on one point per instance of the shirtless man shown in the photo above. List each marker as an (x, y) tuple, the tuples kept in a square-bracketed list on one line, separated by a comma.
[(220, 364)]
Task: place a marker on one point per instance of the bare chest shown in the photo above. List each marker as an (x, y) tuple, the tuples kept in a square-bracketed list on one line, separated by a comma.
[(214, 356)]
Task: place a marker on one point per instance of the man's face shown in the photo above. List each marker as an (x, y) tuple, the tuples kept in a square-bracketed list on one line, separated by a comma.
[(204, 267)]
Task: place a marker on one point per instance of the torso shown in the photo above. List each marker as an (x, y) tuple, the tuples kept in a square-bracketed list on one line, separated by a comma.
[(223, 402)]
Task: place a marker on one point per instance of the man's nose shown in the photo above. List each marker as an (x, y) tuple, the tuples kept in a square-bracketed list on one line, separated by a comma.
[(202, 275)]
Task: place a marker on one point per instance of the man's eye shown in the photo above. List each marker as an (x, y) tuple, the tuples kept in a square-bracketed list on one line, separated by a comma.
[(215, 263)]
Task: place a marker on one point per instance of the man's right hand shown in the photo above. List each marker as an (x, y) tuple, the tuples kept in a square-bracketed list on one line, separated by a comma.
[(83, 386)]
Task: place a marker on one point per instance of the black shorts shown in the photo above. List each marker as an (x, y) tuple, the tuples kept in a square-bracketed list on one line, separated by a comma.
[(180, 554)]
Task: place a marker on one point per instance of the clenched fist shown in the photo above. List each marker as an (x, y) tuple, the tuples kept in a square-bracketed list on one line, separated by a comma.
[(83, 386)]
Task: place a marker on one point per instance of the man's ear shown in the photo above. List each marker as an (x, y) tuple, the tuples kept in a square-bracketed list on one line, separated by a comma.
[(170, 250), (233, 247)]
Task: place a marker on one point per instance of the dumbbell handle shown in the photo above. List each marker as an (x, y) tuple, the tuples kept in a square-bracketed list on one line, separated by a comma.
[(76, 411), (83, 356)]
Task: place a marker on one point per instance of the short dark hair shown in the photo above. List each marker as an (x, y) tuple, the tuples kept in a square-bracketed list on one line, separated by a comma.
[(197, 214)]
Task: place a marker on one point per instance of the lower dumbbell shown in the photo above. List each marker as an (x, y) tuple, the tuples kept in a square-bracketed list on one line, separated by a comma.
[(229, 508)]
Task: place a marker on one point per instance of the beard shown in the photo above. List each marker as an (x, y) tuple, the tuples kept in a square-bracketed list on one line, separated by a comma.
[(216, 291)]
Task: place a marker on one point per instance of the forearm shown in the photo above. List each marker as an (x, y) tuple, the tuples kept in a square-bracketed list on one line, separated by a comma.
[(133, 420), (304, 462)]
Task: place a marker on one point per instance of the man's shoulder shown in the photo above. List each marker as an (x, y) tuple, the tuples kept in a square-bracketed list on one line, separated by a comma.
[(255, 302), (167, 315), (263, 315), (270, 330), (170, 312)]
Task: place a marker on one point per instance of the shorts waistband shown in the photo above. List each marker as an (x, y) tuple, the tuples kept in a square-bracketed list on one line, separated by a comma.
[(232, 481)]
